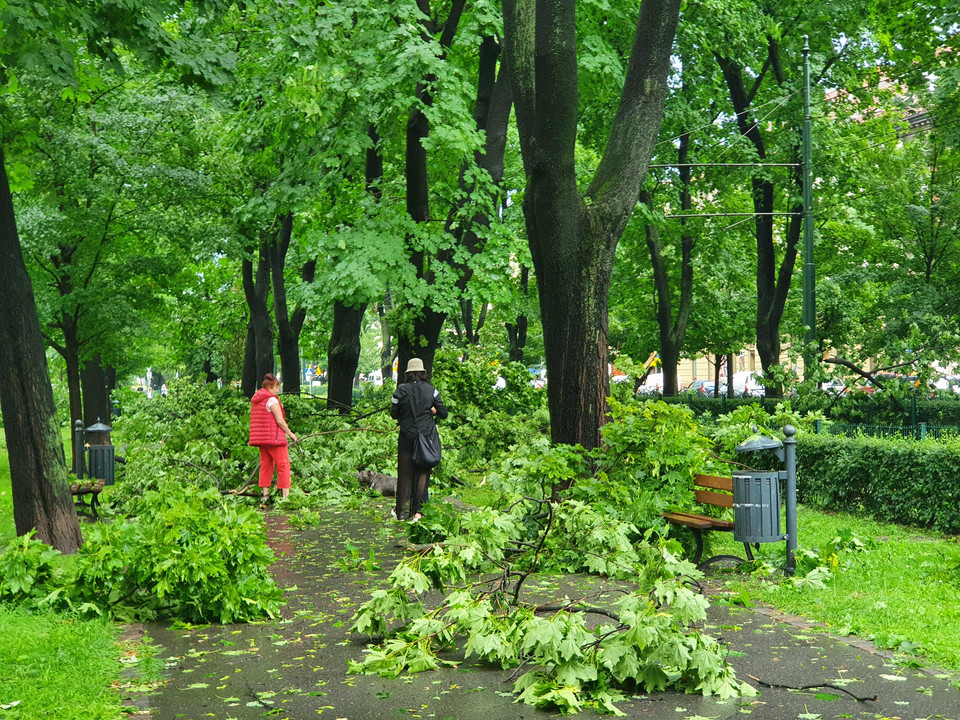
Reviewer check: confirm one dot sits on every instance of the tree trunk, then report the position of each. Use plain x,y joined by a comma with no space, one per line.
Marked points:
386,346
261,330
249,382
573,243
772,284
71,358
96,397
38,470
517,331
287,338
343,355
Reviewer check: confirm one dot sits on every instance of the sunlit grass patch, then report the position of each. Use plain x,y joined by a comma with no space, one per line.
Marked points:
901,592
55,667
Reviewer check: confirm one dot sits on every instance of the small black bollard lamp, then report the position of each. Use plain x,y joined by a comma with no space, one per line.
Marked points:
756,495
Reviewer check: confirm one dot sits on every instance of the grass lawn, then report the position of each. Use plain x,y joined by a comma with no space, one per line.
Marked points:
7,530
54,666
902,592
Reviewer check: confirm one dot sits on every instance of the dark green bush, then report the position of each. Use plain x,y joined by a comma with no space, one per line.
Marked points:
893,479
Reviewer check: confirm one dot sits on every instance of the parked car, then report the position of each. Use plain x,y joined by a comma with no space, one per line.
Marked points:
834,387
746,383
703,388
653,385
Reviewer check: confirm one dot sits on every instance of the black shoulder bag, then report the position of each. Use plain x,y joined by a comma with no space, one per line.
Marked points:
426,448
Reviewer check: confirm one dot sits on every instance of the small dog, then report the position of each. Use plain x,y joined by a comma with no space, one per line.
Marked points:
383,484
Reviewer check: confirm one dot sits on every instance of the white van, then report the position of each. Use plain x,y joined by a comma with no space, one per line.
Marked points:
747,384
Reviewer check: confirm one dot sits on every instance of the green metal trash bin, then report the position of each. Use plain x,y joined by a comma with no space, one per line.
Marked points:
756,507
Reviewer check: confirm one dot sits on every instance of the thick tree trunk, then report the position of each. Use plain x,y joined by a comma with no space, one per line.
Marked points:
343,355
38,470
96,396
287,338
573,244
261,329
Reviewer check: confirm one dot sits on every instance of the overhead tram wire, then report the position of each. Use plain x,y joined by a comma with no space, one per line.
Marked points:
822,100
779,103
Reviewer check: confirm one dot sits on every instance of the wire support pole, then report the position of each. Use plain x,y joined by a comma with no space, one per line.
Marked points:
809,267
743,214
752,165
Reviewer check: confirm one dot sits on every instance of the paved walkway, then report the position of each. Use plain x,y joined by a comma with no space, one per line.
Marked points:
296,668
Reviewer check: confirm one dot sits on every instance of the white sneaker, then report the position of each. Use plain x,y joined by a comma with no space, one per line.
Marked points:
393,513
414,519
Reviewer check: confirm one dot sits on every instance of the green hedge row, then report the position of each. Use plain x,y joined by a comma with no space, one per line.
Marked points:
891,479
879,408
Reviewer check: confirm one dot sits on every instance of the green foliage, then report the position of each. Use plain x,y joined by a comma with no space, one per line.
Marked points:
651,644
893,479
56,667
26,566
198,436
190,555
467,385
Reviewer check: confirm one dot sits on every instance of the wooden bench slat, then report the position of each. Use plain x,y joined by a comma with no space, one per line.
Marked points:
689,520
713,498
701,522
714,481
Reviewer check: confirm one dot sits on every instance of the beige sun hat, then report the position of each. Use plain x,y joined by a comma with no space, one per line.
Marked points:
415,365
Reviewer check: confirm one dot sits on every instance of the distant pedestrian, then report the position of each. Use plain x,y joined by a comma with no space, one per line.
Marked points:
269,431
415,404
163,390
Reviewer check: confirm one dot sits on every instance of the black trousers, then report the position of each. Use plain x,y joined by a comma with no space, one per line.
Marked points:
412,482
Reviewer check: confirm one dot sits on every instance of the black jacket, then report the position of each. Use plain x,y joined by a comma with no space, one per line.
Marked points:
411,407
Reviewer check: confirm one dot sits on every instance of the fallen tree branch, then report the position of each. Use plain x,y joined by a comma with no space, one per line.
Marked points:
811,686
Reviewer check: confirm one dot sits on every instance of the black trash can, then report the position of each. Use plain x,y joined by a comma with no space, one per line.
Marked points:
756,507
101,463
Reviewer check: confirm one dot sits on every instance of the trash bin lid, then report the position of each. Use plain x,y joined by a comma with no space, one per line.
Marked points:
757,442
99,427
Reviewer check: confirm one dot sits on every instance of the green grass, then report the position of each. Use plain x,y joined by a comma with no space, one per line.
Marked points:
55,667
7,529
901,592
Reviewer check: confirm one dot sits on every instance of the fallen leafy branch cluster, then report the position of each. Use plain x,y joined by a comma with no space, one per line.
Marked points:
562,661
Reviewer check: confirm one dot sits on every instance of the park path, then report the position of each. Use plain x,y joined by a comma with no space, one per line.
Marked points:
296,667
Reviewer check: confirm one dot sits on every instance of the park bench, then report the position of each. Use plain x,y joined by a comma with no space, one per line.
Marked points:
718,492
86,497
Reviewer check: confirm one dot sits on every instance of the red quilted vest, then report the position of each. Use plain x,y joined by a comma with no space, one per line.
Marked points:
264,431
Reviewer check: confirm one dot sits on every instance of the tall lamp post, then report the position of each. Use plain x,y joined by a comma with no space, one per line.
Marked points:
809,268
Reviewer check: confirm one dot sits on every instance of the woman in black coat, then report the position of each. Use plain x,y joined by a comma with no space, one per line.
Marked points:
415,405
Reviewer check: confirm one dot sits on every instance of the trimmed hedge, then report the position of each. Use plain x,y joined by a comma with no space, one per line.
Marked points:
879,408
892,479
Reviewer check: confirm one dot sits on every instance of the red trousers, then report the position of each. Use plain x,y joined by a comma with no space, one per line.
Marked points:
274,457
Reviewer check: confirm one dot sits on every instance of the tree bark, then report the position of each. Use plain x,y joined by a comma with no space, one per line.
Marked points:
96,396
517,331
38,470
259,359
386,346
343,355
287,338
427,322
772,284
573,242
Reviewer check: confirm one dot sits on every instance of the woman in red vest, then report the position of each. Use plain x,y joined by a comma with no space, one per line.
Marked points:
268,431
